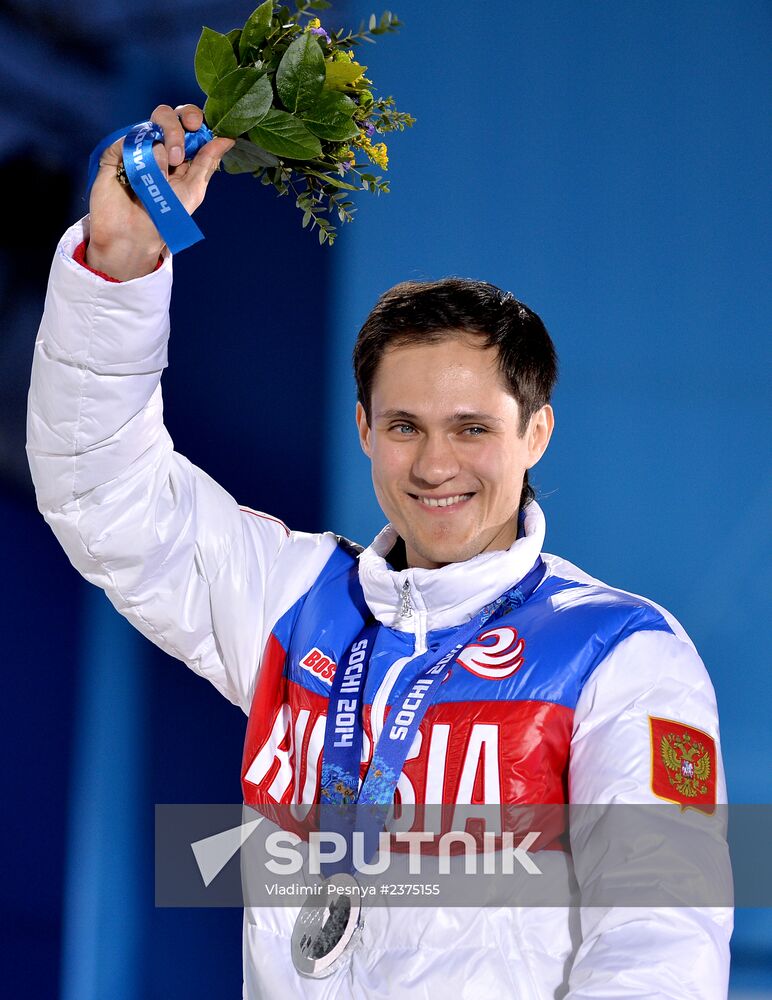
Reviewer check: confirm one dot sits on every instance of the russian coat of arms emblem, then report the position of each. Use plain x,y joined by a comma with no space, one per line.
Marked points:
688,762
683,766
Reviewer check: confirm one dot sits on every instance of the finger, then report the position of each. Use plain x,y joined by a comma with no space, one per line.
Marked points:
218,147
174,135
207,160
204,164
161,157
113,155
191,116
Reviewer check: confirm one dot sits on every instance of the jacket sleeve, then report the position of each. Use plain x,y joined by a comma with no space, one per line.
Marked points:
630,846
198,575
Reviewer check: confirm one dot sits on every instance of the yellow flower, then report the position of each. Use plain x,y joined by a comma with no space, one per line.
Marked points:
379,155
314,23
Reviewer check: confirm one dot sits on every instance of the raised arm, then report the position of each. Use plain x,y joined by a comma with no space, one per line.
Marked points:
197,574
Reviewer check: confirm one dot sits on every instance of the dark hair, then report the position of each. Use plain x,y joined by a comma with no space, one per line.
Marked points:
428,311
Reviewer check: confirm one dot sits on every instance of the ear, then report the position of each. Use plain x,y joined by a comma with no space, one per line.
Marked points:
364,430
539,433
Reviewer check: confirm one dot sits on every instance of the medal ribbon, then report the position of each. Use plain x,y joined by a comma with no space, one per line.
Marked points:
343,733
146,178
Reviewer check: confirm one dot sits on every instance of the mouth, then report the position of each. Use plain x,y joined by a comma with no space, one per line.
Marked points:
444,502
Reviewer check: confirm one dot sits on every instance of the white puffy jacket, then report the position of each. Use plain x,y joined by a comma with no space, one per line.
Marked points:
221,587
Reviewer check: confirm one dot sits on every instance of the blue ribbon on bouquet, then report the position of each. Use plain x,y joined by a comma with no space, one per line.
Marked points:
146,178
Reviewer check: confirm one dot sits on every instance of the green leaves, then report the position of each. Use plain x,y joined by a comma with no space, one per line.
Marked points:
237,102
300,109
234,37
247,158
286,136
331,117
388,22
332,181
255,30
340,75
300,76
214,58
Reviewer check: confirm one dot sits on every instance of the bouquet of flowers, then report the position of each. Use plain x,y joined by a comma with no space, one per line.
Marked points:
300,108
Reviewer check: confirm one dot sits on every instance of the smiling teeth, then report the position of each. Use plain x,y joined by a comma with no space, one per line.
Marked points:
446,501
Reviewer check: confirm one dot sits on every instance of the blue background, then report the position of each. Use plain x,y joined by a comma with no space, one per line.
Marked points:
604,162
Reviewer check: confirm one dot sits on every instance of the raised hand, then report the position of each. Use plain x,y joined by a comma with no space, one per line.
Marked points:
123,241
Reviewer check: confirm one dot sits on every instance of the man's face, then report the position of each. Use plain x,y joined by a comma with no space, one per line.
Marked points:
447,456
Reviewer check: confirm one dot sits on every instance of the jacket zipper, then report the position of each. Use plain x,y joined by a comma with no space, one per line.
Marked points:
406,605
381,698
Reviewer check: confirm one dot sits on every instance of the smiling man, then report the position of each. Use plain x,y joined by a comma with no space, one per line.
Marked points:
454,381
477,669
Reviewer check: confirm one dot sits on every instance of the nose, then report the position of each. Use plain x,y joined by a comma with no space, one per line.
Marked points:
435,461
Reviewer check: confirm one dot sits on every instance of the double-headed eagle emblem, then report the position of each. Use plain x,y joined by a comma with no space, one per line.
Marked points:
687,762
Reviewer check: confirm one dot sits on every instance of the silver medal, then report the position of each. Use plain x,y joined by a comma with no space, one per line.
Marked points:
327,927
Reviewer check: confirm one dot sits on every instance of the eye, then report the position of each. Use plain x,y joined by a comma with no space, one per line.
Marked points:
475,431
402,429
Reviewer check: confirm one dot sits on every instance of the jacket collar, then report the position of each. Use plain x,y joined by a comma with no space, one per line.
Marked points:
451,595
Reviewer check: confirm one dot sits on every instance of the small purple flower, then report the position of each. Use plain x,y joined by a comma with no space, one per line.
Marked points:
320,32
369,128
344,167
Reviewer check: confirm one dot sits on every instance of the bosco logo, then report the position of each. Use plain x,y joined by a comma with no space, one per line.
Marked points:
319,665
494,660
